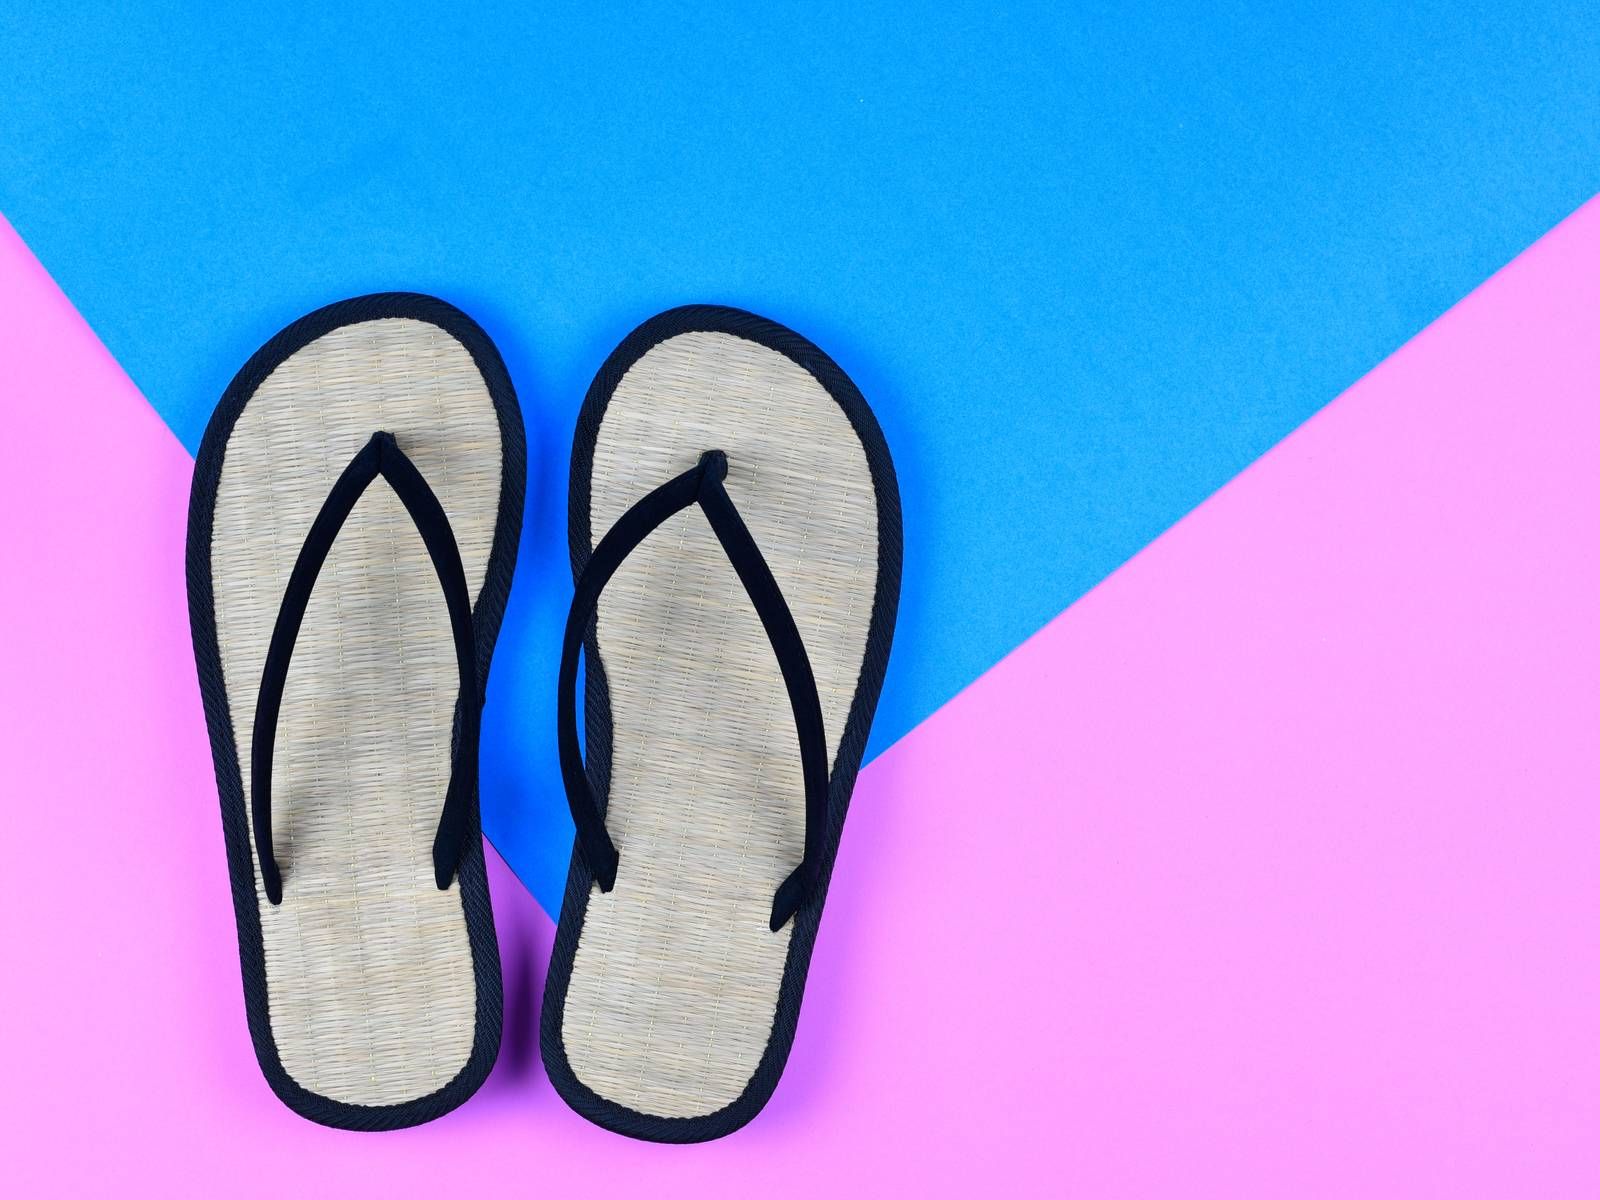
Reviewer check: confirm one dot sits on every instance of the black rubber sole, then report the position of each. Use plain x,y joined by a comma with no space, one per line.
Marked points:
597,722
487,614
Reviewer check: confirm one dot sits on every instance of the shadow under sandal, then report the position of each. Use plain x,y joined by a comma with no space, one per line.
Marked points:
360,483
735,620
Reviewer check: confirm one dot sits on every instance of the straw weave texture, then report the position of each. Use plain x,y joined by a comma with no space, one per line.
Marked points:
369,967
676,977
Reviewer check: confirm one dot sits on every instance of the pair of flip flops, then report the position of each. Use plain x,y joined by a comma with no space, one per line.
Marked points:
735,539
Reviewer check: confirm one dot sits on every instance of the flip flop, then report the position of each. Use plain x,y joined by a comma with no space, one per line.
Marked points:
741,599
342,694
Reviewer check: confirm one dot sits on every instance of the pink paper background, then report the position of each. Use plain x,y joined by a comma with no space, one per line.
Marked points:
1268,869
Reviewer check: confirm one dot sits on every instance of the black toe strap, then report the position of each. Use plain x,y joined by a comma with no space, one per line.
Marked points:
701,484
380,456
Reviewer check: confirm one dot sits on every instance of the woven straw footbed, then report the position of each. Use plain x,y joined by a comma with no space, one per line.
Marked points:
675,980
369,967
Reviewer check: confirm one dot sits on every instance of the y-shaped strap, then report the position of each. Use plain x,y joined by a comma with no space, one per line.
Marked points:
380,456
701,484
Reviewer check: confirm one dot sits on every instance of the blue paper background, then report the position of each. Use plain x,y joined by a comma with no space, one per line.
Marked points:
1086,261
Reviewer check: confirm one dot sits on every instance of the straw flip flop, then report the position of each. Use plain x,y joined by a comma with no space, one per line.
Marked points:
735,619
343,628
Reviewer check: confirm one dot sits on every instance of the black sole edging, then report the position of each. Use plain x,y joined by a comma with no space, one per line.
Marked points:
597,721
487,615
